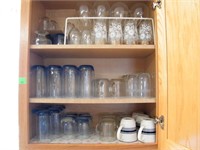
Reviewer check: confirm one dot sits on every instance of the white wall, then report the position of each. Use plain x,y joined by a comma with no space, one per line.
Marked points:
9,60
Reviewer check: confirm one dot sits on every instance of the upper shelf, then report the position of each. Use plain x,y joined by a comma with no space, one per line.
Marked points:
94,51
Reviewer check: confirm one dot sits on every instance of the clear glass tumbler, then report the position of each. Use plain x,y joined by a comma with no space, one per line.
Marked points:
117,88
54,122
131,85
84,128
54,80
144,84
70,81
86,78
43,126
38,81
101,88
69,127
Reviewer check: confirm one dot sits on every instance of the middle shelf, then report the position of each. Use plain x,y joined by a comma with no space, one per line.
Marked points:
93,51
92,100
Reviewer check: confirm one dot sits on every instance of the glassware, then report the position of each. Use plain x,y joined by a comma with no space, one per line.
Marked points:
74,36
115,33
54,121
117,88
69,127
86,37
84,12
41,38
107,130
131,85
46,24
101,8
144,84
43,24
57,38
70,26
52,25
54,80
119,9
145,32
139,10
38,80
70,81
100,31
86,77
43,126
130,32
100,25
83,126
101,88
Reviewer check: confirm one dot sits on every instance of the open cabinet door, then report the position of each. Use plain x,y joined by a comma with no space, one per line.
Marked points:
182,117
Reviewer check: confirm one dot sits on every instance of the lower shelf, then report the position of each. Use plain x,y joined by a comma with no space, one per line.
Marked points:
93,139
90,144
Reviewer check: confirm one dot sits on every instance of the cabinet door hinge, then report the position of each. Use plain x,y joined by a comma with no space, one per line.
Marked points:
160,121
156,4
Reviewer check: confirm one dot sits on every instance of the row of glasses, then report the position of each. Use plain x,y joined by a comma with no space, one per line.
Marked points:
135,85
72,81
47,121
117,31
62,81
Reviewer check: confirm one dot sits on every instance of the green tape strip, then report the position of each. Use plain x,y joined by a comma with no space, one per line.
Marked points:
22,80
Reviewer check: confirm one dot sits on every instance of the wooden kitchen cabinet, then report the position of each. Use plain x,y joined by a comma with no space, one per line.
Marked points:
174,60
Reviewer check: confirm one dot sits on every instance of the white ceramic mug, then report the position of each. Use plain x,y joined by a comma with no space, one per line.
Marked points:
139,117
147,131
127,130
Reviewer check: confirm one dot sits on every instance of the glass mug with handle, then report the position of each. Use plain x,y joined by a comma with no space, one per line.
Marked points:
106,129
101,88
117,88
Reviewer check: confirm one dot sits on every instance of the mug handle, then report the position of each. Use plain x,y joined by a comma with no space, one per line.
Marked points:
118,132
140,133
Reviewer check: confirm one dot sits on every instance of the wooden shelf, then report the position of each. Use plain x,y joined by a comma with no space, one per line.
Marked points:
124,146
94,51
92,100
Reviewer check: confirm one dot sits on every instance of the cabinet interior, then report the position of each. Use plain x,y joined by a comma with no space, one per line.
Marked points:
61,9
109,67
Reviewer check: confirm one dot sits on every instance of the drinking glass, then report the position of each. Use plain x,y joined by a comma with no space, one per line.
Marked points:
144,84
43,126
101,88
86,37
131,85
69,127
38,80
107,130
41,38
145,32
100,31
117,88
74,36
130,32
54,122
70,81
83,127
86,77
54,80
